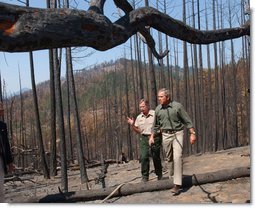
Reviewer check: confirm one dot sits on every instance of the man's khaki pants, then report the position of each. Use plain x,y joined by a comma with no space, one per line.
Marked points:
173,145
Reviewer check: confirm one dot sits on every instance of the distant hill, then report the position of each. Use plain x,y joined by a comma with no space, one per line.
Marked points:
23,90
106,94
101,96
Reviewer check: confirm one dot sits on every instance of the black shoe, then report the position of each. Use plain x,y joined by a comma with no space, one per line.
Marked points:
145,180
176,190
159,177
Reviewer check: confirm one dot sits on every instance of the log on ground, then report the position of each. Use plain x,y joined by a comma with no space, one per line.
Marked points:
128,189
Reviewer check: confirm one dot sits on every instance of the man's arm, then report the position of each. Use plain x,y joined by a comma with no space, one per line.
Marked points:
155,128
131,122
185,118
187,121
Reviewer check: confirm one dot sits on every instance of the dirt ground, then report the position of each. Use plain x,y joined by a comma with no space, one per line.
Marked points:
233,191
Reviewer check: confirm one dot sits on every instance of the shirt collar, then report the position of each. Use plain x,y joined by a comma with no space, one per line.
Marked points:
169,104
149,114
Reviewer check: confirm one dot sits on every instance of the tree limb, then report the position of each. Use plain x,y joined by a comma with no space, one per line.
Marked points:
144,32
26,29
97,6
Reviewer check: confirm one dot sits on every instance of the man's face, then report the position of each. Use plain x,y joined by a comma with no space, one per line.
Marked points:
144,108
162,98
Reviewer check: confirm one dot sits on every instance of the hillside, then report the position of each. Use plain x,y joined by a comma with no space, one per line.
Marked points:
109,92
96,89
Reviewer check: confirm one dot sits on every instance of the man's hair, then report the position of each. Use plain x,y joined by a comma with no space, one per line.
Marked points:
165,91
145,101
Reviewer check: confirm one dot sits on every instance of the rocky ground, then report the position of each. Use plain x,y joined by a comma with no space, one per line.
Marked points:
233,191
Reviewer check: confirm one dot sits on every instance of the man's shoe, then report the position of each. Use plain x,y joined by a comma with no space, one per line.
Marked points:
176,190
159,177
145,180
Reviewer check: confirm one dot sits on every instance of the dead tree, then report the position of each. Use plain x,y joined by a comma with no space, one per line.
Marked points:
37,120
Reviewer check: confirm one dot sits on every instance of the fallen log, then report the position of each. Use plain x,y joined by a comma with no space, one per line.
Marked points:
128,189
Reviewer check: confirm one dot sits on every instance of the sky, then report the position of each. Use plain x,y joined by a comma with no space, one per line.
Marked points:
11,64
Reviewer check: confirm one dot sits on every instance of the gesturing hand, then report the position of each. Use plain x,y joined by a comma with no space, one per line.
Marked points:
130,121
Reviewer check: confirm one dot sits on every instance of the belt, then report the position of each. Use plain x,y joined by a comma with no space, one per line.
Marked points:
168,131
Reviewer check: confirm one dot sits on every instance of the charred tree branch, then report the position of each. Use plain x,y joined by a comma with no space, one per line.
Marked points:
146,36
97,6
26,29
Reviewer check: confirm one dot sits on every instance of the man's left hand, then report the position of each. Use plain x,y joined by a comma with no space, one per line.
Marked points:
192,138
151,140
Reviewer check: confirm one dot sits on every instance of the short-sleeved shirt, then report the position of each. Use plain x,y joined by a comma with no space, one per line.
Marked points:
145,123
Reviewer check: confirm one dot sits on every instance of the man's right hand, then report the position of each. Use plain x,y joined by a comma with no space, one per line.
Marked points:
130,121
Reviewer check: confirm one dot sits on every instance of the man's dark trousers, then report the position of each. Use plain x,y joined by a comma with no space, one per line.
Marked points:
145,156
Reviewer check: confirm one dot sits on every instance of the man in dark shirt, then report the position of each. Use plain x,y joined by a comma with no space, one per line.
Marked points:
6,160
170,119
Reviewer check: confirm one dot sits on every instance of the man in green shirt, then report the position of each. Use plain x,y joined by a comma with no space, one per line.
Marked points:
170,119
143,126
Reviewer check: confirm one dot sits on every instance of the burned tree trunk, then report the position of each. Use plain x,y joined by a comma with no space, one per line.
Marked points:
37,120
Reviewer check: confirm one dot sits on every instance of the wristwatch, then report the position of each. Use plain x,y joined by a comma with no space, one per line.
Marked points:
193,133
